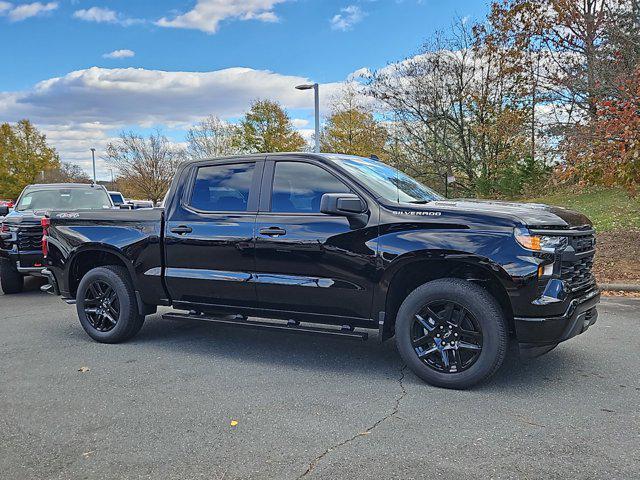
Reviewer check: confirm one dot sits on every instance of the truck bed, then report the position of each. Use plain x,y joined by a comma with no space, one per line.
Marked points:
135,236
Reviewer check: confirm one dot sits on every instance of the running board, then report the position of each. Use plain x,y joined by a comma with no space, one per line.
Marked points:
290,327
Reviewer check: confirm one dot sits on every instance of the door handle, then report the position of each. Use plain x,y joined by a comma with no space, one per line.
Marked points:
181,229
273,231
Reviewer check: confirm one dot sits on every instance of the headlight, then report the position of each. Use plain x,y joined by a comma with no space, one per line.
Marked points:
539,243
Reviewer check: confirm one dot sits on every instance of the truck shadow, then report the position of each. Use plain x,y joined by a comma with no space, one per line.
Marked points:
343,356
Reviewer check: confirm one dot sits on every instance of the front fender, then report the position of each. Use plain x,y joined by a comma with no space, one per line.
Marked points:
493,251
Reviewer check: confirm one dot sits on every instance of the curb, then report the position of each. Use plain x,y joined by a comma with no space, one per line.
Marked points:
620,287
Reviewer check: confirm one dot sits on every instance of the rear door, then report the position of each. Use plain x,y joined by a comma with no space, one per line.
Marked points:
307,261
209,247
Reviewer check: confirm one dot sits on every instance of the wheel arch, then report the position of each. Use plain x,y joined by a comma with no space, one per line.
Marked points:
418,269
91,256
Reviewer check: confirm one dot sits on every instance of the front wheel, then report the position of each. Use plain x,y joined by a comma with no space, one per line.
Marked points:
451,333
107,306
11,280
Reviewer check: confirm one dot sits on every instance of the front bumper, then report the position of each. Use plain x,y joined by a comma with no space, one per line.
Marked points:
27,263
537,336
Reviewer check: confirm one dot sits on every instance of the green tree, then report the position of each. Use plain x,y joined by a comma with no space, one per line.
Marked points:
24,157
354,132
266,127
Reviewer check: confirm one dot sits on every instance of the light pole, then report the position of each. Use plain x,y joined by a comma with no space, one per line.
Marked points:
316,90
93,157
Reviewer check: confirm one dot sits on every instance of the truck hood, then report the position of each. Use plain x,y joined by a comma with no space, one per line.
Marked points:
531,214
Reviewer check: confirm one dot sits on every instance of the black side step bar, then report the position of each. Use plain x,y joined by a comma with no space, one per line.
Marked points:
293,327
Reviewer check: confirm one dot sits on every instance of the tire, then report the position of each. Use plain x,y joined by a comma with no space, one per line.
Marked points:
477,313
116,281
11,280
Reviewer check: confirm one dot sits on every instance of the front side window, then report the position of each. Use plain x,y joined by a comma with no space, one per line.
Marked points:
298,187
65,199
223,188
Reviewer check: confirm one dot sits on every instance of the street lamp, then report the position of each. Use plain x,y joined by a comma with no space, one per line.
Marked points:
316,89
93,157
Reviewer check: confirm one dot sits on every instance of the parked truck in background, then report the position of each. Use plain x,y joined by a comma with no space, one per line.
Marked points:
21,230
334,244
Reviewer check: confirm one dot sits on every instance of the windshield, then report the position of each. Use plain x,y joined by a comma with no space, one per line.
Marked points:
387,182
64,199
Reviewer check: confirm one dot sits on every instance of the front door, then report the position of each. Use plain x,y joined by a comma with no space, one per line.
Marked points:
307,261
209,248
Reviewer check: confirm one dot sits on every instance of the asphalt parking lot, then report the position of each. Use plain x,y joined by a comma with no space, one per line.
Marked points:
162,405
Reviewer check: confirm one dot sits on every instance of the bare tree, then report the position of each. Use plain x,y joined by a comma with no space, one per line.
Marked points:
65,173
213,137
454,109
146,165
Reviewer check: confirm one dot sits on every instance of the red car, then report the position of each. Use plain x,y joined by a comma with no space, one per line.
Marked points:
6,203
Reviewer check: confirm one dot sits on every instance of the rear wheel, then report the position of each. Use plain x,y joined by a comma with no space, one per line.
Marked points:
451,333
11,280
107,306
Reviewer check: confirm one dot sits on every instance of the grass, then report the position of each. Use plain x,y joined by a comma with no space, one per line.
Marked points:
609,209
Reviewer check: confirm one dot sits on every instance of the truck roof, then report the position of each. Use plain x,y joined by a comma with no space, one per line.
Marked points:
62,185
261,156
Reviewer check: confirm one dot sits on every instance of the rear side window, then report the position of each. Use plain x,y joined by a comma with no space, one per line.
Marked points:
117,198
223,188
298,187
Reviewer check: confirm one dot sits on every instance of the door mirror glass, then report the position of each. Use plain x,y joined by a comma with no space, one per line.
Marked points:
344,204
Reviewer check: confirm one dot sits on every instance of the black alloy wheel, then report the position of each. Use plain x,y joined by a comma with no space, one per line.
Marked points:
451,333
107,305
101,305
446,337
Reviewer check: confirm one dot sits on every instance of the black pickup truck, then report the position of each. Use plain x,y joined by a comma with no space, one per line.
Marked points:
342,241
21,230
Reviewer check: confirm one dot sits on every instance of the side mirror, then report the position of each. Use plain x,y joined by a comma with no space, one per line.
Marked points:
4,210
345,205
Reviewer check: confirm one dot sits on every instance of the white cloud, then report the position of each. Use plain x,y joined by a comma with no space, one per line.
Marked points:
87,108
207,14
347,18
136,95
125,53
299,122
360,74
105,15
96,14
17,13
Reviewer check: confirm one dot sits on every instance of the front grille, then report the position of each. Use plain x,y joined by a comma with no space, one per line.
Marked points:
577,262
584,244
577,275
30,238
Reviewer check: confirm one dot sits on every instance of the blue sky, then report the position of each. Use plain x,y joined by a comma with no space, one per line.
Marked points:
176,61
